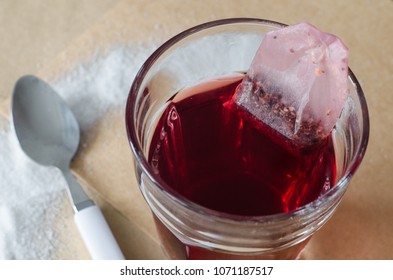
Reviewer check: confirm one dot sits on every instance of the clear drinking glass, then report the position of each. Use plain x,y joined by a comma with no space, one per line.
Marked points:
210,50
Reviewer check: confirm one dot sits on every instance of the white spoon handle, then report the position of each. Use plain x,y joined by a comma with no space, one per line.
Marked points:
97,235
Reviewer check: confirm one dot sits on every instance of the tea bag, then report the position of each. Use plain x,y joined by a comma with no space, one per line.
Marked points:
297,83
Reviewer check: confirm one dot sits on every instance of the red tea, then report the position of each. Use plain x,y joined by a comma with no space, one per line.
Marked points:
214,153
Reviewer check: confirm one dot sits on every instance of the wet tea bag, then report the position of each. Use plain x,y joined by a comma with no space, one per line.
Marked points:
297,83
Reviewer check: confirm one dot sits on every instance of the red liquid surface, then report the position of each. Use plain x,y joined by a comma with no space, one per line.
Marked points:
214,153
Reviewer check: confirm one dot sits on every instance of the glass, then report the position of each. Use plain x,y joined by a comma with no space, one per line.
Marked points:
210,50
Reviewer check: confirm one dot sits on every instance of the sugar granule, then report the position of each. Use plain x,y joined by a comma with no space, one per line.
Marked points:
32,196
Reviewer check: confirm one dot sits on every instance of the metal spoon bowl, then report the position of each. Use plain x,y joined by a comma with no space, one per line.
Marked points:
48,133
46,128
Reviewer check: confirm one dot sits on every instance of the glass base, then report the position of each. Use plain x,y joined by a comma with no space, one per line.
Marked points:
177,250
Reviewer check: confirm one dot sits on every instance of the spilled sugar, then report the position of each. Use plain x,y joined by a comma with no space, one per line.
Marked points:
102,84
31,196
28,197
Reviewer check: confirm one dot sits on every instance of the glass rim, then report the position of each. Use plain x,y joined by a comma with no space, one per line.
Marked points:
142,162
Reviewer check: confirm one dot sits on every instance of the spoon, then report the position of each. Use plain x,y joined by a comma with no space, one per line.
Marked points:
49,134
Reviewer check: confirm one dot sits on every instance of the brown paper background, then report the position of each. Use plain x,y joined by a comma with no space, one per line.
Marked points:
362,227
